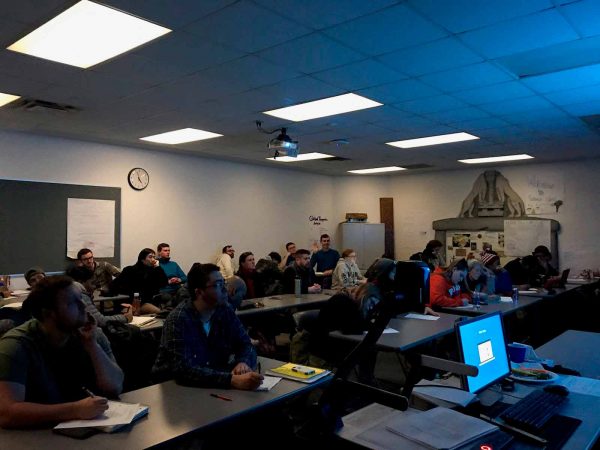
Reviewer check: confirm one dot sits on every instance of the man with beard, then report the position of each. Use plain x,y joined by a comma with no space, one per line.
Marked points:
303,270
46,363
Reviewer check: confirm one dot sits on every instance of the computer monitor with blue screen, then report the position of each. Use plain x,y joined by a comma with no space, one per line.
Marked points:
481,344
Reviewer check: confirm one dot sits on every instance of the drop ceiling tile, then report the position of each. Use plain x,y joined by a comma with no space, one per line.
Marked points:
456,115
476,125
579,95
386,31
462,15
495,93
311,53
321,14
187,53
298,90
22,86
148,73
32,12
360,75
516,105
36,69
521,34
584,16
172,14
399,91
432,57
231,27
565,79
583,109
431,104
468,77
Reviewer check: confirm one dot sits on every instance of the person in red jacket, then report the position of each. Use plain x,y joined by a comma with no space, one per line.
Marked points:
446,285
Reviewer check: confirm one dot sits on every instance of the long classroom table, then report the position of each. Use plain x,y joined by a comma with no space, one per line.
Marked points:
175,412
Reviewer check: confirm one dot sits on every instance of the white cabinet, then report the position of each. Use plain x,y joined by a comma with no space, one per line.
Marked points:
366,239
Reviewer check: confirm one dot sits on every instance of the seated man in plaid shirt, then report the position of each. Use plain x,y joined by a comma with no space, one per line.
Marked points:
203,342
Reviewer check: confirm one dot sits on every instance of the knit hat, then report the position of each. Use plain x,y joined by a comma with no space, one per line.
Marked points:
487,259
33,271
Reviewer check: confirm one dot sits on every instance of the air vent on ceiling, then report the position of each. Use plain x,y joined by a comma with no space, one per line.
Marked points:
30,104
416,166
336,158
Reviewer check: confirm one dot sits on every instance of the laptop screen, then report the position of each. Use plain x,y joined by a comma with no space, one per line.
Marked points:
481,344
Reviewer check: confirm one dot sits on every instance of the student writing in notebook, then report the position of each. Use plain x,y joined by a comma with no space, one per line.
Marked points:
446,286
46,362
202,335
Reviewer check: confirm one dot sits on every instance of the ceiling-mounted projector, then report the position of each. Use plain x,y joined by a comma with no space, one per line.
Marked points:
283,145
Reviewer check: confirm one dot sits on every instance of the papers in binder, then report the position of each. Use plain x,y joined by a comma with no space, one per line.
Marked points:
117,415
297,372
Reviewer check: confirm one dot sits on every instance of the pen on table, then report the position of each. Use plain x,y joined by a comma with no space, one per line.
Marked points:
222,397
87,391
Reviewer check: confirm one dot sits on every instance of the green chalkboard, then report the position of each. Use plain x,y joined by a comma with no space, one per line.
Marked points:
33,223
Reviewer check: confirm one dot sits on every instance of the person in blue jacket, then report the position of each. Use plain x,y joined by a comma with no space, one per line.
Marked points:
175,275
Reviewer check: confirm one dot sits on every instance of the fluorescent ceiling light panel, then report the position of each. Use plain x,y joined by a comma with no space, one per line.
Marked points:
87,34
5,99
377,170
433,140
325,107
494,159
181,136
302,157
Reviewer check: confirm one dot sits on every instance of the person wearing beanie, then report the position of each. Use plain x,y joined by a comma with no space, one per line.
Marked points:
502,281
34,276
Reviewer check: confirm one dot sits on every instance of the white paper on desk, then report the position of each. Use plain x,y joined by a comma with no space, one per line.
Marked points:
421,316
441,428
446,393
19,292
386,331
506,299
17,305
140,321
268,383
464,307
117,414
581,385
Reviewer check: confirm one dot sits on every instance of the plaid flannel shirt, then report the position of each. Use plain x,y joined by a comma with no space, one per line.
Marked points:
187,354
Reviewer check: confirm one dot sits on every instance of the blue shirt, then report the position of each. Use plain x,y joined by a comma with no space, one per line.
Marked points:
172,269
191,356
325,260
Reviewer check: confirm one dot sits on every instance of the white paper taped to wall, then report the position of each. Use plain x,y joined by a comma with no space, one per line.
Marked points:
91,224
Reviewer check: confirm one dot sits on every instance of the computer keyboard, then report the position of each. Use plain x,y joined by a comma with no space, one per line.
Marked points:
533,411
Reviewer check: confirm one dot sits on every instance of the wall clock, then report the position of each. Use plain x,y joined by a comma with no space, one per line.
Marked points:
138,178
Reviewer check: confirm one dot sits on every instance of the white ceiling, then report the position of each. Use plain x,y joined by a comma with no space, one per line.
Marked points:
519,74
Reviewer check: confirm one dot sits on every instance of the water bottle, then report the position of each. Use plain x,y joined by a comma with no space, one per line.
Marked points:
515,295
136,304
297,286
476,299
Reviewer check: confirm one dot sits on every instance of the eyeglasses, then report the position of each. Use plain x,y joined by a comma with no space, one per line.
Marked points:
222,284
88,258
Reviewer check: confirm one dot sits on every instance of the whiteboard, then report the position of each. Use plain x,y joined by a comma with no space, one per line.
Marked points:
522,236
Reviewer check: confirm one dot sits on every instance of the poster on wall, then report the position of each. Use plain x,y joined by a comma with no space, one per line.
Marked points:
543,192
91,224
318,225
522,236
465,244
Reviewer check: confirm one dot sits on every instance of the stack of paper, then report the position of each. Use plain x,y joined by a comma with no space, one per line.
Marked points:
440,428
140,321
268,383
297,372
115,417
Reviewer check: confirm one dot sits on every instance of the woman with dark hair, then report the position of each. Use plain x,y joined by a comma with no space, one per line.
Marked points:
247,272
446,286
431,255
146,278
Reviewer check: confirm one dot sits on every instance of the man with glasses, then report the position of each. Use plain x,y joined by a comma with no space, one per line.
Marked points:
103,272
225,261
203,342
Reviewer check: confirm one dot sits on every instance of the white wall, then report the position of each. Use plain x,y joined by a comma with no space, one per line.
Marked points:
198,204
195,204
439,195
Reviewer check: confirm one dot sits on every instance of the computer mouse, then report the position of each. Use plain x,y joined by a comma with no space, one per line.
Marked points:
557,389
